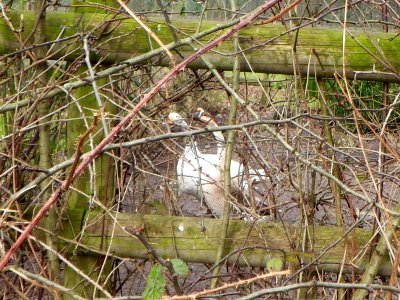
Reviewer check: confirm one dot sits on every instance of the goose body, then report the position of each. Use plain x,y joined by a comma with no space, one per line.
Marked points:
200,173
194,164
194,167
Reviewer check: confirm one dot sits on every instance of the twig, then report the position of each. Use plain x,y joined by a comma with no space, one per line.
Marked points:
316,284
53,198
203,10
14,288
147,29
79,147
37,278
66,262
138,233
226,158
280,14
229,285
168,20
93,83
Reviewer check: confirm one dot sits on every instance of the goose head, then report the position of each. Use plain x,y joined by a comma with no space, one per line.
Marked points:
204,117
175,119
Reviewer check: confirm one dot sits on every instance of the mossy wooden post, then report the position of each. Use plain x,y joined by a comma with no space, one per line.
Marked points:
43,109
103,181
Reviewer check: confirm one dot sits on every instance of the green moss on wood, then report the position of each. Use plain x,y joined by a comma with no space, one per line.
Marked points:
259,242
266,47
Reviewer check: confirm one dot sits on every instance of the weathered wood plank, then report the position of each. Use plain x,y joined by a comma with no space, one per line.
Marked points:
372,56
183,237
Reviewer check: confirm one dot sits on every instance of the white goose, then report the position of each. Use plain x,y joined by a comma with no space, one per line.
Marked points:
194,167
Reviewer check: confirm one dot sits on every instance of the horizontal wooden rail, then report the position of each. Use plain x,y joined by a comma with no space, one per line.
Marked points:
267,48
184,237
